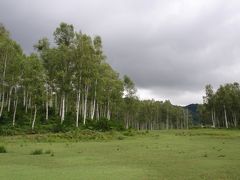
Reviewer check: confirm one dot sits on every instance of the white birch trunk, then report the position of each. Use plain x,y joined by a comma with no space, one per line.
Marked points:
2,104
225,116
66,104
108,110
47,106
235,119
34,117
63,108
213,120
214,117
78,107
167,122
3,96
26,108
24,97
97,113
15,110
94,101
30,102
60,107
56,103
85,105
82,106
46,110
51,98
9,99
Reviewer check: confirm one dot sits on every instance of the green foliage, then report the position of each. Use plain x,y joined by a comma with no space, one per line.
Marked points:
64,34
129,133
49,152
69,84
120,137
221,108
3,149
104,125
37,152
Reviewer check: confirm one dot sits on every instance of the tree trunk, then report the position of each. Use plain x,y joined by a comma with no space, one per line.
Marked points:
24,97
51,98
85,105
56,103
66,104
9,99
97,113
94,101
46,106
108,110
213,120
3,79
2,104
34,117
15,110
60,107
63,108
26,100
30,102
235,119
78,107
167,121
225,116
214,117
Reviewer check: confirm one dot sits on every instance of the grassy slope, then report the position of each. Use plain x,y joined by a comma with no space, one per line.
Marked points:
194,154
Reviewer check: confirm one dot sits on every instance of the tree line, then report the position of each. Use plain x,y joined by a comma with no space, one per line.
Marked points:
70,82
221,108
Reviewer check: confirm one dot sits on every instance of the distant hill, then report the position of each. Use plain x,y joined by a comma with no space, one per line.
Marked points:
193,109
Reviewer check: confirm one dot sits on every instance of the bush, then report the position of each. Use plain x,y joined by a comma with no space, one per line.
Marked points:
48,151
104,125
60,128
3,149
120,138
128,133
37,152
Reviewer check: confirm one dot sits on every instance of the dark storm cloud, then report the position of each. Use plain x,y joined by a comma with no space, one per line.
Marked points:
171,49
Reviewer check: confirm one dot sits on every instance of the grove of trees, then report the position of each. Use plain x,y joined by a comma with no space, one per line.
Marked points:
221,108
70,83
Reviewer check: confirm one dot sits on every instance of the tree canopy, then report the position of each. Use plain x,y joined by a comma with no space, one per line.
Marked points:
71,83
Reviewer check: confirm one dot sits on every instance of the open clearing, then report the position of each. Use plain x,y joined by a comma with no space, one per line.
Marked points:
175,154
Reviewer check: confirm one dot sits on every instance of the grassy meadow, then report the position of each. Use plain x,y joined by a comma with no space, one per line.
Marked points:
175,154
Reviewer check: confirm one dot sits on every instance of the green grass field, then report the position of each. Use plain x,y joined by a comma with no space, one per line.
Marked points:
176,154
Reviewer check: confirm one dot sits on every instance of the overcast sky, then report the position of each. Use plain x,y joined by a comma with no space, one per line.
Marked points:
170,48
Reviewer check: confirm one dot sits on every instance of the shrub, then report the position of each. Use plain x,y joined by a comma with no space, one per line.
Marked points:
48,151
104,125
3,149
120,138
37,152
128,133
